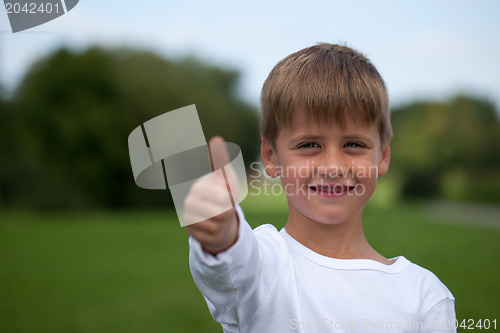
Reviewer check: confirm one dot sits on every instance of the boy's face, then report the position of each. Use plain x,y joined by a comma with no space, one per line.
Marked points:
328,173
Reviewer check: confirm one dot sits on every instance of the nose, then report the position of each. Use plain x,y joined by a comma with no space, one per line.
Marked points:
331,163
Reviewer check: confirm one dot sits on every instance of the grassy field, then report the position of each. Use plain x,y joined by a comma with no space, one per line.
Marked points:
127,271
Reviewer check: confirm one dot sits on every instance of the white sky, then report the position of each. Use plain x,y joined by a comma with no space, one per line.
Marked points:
422,48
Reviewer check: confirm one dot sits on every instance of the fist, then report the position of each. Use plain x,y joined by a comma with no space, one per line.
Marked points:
210,200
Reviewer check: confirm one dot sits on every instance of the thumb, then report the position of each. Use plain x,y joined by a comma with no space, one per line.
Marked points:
219,156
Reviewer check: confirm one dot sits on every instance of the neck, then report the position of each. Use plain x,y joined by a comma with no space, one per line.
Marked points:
344,240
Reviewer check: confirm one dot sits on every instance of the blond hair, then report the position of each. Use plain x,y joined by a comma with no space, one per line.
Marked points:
332,84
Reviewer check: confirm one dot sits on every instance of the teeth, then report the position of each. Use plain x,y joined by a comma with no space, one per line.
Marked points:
332,188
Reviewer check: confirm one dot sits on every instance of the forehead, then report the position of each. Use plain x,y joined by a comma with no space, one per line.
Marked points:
300,123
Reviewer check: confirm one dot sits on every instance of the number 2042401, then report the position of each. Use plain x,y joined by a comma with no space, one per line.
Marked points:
31,8
473,324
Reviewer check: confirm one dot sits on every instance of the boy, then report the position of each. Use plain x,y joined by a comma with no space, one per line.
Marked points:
325,132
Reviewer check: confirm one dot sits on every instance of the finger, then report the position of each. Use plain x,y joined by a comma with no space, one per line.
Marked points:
233,183
218,152
195,207
220,160
211,187
214,225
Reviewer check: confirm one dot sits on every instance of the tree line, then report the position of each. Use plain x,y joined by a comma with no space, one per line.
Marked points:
447,150
64,132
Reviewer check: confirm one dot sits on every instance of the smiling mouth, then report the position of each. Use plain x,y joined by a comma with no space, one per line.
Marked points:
331,189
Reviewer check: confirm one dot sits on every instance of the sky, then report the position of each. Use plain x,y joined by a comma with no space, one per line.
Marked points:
423,49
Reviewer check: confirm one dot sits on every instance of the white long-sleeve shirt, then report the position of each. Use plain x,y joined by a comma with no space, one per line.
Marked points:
269,282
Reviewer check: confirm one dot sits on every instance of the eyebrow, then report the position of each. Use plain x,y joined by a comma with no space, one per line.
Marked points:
318,137
306,137
359,137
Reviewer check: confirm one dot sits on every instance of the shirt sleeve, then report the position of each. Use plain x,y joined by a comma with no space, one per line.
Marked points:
233,282
441,318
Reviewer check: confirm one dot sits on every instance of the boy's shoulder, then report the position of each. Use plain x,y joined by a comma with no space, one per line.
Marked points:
427,287
428,281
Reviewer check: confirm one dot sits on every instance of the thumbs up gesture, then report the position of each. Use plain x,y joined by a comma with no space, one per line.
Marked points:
212,196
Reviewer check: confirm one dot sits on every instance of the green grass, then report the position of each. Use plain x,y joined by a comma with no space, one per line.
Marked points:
128,271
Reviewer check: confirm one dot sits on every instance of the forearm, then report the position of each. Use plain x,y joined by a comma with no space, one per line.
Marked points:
229,277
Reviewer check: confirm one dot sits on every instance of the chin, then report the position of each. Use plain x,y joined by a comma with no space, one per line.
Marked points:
326,216
331,219
334,215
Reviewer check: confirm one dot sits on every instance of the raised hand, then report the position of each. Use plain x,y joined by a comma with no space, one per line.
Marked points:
210,200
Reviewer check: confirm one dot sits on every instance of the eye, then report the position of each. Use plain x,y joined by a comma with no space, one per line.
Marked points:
308,145
354,144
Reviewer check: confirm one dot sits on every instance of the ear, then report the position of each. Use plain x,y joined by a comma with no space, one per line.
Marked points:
268,158
383,163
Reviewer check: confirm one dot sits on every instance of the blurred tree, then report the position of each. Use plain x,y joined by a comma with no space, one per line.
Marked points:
5,149
66,145
447,150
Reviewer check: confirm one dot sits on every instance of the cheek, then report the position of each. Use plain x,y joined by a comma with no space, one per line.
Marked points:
293,170
294,176
365,170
